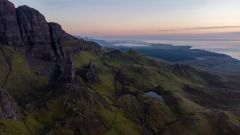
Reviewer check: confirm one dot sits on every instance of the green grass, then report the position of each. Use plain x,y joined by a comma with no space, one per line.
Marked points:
106,84
118,123
62,131
11,127
40,120
82,59
22,78
120,112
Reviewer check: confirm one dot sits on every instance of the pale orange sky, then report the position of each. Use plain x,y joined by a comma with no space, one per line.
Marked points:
140,17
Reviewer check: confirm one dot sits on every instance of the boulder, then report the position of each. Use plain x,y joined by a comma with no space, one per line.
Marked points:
8,107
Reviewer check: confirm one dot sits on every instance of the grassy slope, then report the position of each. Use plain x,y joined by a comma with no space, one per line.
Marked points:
22,78
124,78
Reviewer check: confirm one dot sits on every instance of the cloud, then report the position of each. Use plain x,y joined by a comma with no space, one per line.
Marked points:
203,28
62,3
168,30
214,27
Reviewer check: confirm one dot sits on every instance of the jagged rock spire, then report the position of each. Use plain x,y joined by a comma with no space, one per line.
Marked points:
64,70
92,73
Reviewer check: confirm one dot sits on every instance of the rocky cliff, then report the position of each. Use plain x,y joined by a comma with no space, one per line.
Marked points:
9,29
27,28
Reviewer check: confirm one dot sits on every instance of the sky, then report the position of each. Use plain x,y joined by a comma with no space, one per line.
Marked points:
141,17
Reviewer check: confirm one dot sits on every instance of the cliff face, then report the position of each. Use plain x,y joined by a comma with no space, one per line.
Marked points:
35,32
27,28
9,29
33,26
57,37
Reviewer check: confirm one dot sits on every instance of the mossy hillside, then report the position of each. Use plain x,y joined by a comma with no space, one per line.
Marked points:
11,127
106,85
118,100
138,69
41,119
118,122
150,112
88,103
106,75
44,119
134,76
138,72
37,122
82,58
22,78
147,78
61,131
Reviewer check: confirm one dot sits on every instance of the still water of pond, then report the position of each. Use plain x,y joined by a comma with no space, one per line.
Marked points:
154,95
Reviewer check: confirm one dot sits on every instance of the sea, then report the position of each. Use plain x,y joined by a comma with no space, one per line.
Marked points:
229,46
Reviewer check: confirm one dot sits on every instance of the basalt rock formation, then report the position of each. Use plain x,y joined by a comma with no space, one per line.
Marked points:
64,70
9,29
92,73
35,33
27,28
69,70
57,38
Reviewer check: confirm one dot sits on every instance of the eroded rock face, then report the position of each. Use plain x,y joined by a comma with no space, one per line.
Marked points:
28,29
92,125
8,107
64,71
33,25
35,33
9,29
92,73
57,37
69,70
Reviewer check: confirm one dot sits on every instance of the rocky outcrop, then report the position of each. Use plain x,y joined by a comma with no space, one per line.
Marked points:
9,29
27,28
92,73
64,71
90,125
8,107
69,70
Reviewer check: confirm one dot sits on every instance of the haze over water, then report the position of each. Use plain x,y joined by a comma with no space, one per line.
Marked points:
225,46
229,46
